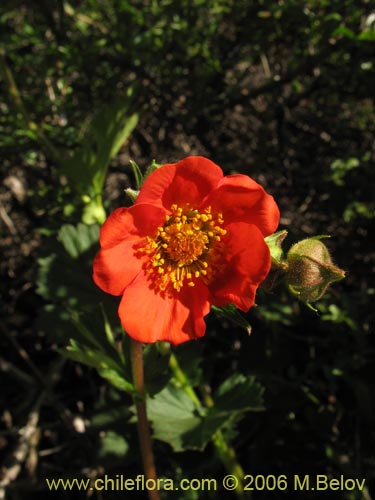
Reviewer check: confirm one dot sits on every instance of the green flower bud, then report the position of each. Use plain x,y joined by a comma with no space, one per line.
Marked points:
311,270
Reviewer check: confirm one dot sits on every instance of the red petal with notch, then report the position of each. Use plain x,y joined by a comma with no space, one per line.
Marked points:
116,267
185,182
130,223
118,263
149,315
240,198
248,263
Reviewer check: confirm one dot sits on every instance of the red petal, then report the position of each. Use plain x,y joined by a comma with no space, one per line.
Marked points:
130,223
240,198
185,182
149,315
248,263
116,267
118,263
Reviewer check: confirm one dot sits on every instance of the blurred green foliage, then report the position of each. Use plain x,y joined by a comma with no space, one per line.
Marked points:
280,90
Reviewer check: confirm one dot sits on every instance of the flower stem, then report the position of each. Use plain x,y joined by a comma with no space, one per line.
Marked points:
142,422
224,451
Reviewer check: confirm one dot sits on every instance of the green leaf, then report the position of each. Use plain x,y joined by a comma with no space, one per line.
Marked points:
107,328
113,415
341,167
65,280
173,415
78,239
86,169
156,366
230,312
116,379
65,274
61,278
94,210
75,352
344,31
190,359
92,356
112,444
239,393
358,209
177,420
137,174
336,315
367,36
107,366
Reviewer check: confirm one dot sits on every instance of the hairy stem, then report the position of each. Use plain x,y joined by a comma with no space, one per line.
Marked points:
142,422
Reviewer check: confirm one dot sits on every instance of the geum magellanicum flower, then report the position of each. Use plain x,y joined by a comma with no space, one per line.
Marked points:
193,239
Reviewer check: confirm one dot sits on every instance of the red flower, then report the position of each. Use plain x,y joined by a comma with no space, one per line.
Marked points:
193,238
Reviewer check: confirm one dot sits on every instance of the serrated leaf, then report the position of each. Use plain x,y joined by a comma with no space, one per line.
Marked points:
239,393
92,356
236,396
106,366
73,351
177,420
173,415
78,239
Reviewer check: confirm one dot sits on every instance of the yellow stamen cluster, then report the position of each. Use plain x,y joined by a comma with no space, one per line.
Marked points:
184,248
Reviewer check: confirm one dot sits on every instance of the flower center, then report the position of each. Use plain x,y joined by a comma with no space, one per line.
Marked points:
184,248
184,243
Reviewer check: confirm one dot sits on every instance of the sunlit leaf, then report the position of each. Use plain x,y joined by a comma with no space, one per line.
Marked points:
178,421
78,239
173,415
86,169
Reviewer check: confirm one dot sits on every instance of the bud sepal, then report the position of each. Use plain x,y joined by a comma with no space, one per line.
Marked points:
311,270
